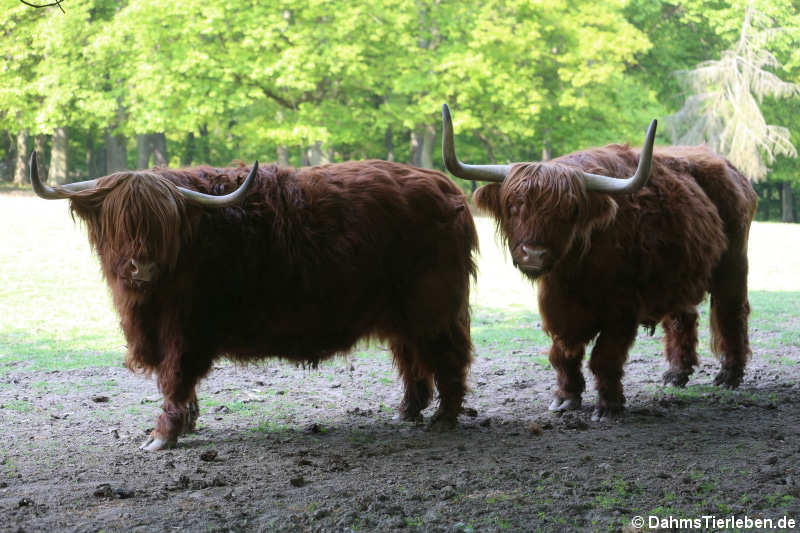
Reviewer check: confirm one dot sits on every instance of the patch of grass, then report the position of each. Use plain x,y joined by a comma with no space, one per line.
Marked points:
20,406
45,352
495,331
9,467
707,487
56,310
541,360
502,524
496,498
779,499
269,426
414,522
616,492
697,391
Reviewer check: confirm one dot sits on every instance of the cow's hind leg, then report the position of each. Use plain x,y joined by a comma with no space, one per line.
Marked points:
448,355
566,359
417,381
606,362
729,312
176,380
680,346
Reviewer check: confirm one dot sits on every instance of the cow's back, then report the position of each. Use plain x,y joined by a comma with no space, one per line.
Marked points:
316,258
729,190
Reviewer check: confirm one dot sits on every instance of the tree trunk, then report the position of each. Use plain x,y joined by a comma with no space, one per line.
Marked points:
21,165
116,153
58,157
158,144
283,156
428,142
143,149
90,155
318,156
787,202
8,161
389,142
96,155
204,147
188,154
40,145
488,145
416,148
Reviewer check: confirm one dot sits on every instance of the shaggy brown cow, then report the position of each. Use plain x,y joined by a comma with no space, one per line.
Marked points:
609,254
298,264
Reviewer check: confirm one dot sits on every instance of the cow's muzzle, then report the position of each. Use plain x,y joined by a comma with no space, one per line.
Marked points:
142,272
533,260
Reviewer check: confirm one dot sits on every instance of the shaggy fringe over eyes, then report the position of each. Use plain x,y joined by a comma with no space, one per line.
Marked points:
556,192
554,189
136,214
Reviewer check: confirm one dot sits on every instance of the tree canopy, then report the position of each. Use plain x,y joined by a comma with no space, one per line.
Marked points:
242,79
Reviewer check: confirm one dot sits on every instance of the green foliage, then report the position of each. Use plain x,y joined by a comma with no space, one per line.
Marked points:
238,79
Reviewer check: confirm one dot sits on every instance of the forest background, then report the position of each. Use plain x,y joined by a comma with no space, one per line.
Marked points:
101,85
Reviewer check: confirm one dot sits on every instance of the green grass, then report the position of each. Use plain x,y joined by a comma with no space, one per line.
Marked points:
56,312
20,406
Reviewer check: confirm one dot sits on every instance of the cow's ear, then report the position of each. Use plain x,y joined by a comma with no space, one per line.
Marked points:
600,212
487,198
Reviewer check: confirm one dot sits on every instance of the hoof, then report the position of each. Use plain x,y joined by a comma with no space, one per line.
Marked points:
570,403
441,422
730,378
676,378
156,442
403,416
607,414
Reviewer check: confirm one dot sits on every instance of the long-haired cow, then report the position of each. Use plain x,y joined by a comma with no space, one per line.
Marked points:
248,263
609,254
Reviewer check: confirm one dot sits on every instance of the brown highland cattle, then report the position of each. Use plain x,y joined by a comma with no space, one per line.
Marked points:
299,264
609,254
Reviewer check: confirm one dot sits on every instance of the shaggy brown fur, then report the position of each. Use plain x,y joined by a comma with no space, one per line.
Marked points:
643,258
309,263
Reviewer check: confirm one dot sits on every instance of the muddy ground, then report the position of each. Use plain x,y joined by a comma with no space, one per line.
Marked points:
280,448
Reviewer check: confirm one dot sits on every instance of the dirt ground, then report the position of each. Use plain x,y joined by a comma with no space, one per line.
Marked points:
280,448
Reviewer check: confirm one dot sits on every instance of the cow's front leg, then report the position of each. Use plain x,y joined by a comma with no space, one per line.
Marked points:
608,356
180,409
566,359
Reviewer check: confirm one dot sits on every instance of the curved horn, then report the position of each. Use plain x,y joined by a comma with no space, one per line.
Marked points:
209,200
43,190
495,173
598,183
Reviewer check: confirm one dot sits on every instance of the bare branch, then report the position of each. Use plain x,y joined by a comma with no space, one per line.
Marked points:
37,6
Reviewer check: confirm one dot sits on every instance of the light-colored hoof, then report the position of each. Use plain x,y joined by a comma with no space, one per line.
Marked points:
154,443
570,403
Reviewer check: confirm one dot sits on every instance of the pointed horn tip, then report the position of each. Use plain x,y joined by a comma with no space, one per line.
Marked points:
446,117
651,130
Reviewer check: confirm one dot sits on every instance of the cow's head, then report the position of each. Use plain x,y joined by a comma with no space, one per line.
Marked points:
137,221
544,209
